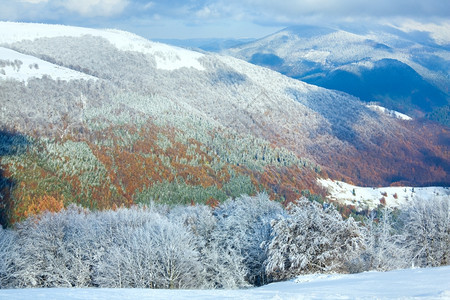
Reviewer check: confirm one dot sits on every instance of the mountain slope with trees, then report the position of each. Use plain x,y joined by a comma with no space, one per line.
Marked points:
161,123
399,70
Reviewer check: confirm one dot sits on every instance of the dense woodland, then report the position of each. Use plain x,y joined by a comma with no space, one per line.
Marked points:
242,242
112,149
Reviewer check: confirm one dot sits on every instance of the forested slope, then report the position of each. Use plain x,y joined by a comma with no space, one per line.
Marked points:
149,121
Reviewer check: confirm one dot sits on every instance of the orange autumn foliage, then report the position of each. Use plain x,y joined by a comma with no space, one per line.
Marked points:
44,203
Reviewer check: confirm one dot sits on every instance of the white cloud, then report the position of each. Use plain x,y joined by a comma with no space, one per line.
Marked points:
34,1
44,10
224,14
353,8
439,32
285,12
149,5
209,12
93,8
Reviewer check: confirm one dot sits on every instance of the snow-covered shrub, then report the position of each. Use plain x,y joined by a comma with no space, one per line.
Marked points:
223,262
243,225
7,240
312,238
53,250
426,226
384,245
156,254
246,241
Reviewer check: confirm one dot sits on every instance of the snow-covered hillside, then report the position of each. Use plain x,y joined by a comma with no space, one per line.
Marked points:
429,283
15,65
167,57
368,197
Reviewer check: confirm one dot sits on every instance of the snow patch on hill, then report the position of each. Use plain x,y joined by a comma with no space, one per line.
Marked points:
317,56
368,197
392,113
167,57
21,67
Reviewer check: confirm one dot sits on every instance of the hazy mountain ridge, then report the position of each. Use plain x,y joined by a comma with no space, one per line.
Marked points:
206,44
163,122
358,60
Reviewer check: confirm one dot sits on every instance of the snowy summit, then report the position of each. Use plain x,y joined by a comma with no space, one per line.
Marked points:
167,57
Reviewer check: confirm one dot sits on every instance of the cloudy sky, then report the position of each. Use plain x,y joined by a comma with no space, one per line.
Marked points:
220,18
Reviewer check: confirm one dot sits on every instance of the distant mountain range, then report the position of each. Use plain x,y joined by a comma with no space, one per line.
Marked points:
206,44
105,118
404,71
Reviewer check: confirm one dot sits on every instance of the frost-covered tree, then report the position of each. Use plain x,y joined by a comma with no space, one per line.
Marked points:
7,240
426,226
223,266
312,238
144,249
243,226
127,260
158,254
53,250
384,245
178,264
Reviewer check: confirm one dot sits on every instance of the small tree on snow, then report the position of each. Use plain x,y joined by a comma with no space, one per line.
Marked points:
384,244
243,226
52,250
426,228
312,239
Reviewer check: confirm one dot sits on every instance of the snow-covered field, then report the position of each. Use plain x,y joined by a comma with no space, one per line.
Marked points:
34,67
368,197
432,283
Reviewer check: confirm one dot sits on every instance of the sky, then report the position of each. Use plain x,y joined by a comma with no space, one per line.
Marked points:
185,19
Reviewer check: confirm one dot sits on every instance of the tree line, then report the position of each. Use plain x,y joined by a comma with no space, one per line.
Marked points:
242,242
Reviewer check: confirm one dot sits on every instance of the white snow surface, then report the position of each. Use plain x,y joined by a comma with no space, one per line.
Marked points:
166,57
34,67
370,197
389,112
429,283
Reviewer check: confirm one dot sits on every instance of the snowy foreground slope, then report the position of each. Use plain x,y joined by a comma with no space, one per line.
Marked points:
429,283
